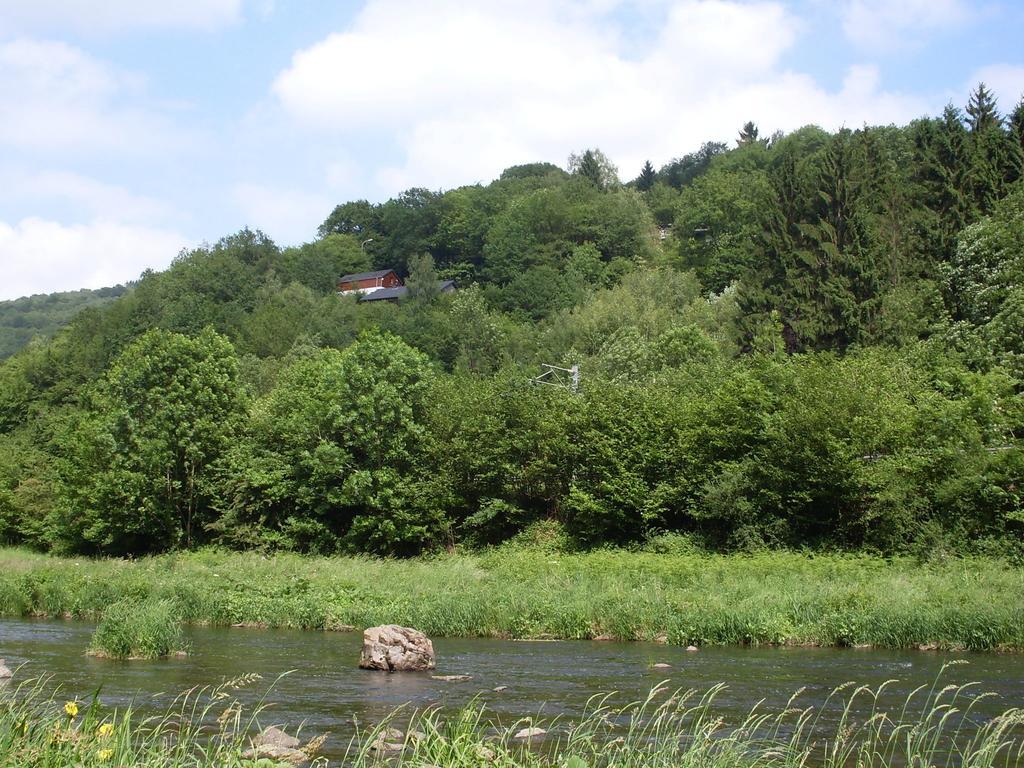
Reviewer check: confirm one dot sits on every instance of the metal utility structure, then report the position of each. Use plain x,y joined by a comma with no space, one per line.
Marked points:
563,378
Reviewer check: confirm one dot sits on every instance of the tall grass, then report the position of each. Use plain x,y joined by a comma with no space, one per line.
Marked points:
686,598
148,629
204,727
936,726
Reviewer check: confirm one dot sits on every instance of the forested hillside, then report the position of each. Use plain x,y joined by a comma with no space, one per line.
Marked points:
811,340
24,319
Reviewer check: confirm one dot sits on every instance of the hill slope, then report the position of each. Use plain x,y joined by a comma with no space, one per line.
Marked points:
824,349
23,319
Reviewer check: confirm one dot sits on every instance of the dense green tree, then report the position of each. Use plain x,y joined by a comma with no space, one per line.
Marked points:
989,262
407,223
543,228
478,331
282,315
682,171
422,281
335,456
28,490
319,264
594,166
718,222
532,170
465,215
506,450
663,202
536,293
358,218
891,210
136,463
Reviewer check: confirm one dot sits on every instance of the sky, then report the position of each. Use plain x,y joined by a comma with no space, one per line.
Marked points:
131,129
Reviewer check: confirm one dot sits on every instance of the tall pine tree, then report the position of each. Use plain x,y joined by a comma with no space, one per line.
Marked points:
647,177
1016,121
815,270
981,110
835,276
748,134
995,153
763,308
942,165
594,166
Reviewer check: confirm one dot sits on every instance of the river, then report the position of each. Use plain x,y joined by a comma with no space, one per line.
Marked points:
327,692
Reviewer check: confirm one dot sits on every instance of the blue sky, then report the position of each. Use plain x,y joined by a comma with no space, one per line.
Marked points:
131,129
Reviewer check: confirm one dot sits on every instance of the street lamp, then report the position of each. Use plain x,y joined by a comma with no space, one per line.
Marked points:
362,245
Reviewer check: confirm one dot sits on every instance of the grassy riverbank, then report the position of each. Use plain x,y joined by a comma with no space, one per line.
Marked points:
201,728
515,592
213,727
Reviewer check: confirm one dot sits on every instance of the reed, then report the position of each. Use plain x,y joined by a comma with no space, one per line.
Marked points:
679,598
673,729
936,725
147,629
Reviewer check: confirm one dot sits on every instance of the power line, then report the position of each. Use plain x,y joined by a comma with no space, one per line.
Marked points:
555,376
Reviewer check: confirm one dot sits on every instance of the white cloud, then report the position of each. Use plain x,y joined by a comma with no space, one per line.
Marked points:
881,25
40,256
55,97
466,91
87,197
342,171
289,216
108,15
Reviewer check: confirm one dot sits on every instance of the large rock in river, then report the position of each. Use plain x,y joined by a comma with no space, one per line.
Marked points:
5,671
395,649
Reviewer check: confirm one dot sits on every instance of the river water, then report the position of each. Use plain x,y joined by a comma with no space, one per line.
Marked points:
327,692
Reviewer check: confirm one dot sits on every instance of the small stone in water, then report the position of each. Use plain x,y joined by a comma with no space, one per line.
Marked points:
662,665
528,733
692,648
388,740
275,744
386,746
274,735
451,678
501,688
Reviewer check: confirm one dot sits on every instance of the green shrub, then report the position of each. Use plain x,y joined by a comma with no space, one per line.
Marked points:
543,536
670,543
133,630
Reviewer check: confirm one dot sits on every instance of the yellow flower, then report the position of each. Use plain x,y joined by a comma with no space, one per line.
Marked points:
71,708
105,754
105,730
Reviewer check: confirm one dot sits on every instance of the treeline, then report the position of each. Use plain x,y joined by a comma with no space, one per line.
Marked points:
809,340
41,316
